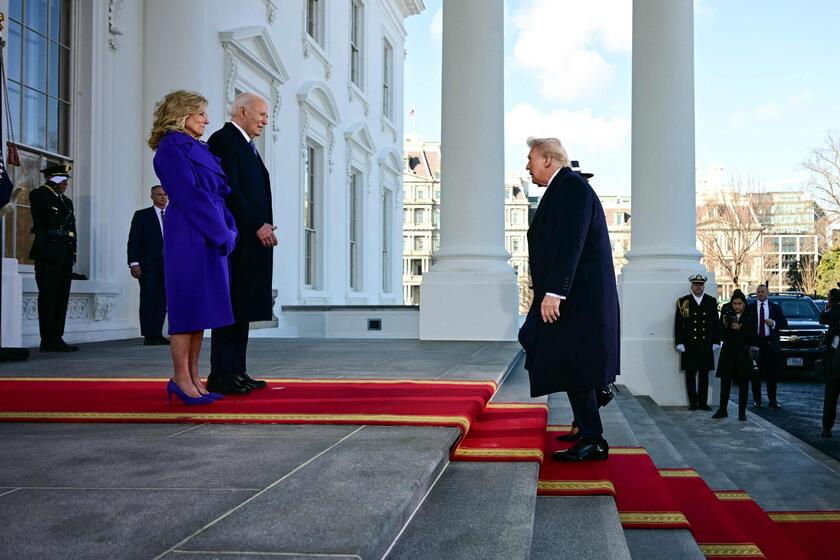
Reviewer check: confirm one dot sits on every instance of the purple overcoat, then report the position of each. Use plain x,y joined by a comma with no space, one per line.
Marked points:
198,235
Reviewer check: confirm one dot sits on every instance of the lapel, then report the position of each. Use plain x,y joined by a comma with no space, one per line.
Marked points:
239,140
154,223
550,192
198,153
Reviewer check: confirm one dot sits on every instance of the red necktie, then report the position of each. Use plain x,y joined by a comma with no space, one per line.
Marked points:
761,323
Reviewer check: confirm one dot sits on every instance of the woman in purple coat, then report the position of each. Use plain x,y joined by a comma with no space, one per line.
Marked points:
199,233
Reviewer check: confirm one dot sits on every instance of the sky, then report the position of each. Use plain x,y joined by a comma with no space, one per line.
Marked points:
767,84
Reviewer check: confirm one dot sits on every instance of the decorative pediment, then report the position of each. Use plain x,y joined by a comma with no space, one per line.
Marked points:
359,134
390,159
316,98
254,45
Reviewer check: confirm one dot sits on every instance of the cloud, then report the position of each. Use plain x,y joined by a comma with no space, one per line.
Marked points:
565,44
800,98
576,129
436,27
770,109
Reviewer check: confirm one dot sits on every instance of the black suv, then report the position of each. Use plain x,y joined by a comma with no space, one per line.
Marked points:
802,341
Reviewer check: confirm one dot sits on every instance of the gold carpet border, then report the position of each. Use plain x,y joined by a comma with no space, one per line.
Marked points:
558,428
575,485
270,380
747,550
461,421
515,406
628,451
653,517
805,516
677,473
732,496
498,453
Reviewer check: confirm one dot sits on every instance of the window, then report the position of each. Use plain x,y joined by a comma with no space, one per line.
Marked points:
310,212
435,217
515,244
419,215
422,193
416,267
38,73
619,218
356,42
407,242
387,198
315,20
435,241
355,233
388,81
788,244
419,243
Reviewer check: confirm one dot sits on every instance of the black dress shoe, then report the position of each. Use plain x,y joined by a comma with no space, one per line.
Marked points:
162,340
226,386
585,450
249,382
692,407
705,407
742,417
757,404
571,436
775,405
150,341
58,346
826,433
720,414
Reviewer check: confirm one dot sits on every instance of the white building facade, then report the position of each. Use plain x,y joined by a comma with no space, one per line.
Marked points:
84,76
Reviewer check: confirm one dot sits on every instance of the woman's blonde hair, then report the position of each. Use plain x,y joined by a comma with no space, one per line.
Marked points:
172,111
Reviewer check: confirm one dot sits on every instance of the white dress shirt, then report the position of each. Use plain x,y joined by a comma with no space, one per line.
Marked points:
240,129
762,326
698,299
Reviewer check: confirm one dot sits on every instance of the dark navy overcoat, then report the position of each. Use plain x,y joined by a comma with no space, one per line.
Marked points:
570,255
250,203
198,234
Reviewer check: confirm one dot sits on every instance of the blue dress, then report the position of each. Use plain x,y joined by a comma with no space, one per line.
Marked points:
198,235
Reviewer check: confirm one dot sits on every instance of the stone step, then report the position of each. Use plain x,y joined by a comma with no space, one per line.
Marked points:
351,500
476,510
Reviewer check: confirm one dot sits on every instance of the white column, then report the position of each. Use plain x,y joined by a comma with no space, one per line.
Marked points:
663,244
470,292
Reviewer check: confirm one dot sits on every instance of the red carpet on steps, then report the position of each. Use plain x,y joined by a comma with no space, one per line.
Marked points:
817,532
284,401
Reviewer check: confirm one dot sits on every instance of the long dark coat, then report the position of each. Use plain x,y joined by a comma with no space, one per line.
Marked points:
734,361
250,203
570,255
697,327
54,226
198,235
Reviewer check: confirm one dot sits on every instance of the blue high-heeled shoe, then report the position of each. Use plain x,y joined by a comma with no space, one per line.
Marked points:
214,396
173,389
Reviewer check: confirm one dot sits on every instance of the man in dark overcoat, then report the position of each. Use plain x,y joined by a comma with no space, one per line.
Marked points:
768,319
697,334
251,261
145,262
831,318
54,253
571,334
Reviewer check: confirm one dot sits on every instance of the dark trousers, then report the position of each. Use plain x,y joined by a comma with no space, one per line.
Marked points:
585,410
767,366
832,392
53,280
697,387
152,302
743,393
228,346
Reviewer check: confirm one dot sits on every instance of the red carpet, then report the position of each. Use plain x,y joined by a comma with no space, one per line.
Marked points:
816,532
715,530
770,538
505,432
285,401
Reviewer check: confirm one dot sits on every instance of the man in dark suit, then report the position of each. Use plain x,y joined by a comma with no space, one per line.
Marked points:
145,261
697,334
768,319
831,317
54,253
251,261
571,334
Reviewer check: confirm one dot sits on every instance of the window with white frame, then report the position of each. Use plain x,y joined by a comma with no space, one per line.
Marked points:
357,28
315,20
355,233
419,216
311,212
515,244
387,202
422,193
387,80
419,243
39,84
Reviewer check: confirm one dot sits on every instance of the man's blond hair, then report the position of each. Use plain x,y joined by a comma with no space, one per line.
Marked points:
551,148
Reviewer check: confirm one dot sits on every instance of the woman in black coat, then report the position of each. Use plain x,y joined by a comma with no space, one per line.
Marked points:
735,364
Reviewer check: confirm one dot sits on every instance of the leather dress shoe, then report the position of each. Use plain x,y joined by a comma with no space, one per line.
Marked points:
720,414
226,386
162,340
692,407
826,433
58,346
571,436
705,407
585,450
775,405
742,417
244,379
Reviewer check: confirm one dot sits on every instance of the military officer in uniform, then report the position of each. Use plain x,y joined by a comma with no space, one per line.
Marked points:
54,253
697,334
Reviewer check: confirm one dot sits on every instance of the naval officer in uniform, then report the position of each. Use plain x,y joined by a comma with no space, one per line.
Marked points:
54,253
697,333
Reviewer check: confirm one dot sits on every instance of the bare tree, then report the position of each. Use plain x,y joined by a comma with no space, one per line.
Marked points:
730,231
824,165
802,274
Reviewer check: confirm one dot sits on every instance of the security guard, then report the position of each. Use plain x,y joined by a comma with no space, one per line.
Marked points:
697,334
54,253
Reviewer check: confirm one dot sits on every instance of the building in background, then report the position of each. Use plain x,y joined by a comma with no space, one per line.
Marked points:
617,213
83,81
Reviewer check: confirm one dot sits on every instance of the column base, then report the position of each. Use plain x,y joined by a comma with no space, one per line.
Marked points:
469,305
12,305
648,289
